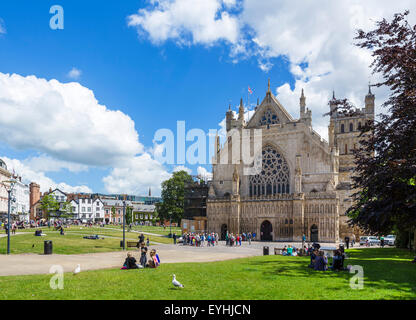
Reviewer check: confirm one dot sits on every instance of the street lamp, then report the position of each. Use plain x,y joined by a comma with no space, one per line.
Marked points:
124,223
9,189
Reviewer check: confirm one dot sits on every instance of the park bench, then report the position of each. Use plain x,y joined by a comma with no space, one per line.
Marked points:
132,244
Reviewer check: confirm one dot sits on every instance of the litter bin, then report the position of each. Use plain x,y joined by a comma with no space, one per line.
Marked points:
265,251
47,247
121,243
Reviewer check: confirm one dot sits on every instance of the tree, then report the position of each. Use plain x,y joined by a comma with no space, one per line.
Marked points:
66,210
49,205
385,171
129,215
113,212
173,191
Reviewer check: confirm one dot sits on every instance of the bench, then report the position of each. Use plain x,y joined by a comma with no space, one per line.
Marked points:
132,244
277,250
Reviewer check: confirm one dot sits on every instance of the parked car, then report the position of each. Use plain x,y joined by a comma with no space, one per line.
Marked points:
372,241
390,240
363,240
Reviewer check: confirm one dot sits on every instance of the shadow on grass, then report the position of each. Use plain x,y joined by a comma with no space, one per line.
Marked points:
386,269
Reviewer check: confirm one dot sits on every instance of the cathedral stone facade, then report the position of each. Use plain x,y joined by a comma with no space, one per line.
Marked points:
303,184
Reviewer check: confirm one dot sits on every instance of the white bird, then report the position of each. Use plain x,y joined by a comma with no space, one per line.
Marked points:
77,269
176,283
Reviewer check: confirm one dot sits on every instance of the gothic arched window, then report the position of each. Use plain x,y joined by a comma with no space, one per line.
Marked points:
274,175
269,117
342,128
351,127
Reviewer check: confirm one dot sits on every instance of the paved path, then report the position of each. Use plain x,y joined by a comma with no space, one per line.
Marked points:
24,264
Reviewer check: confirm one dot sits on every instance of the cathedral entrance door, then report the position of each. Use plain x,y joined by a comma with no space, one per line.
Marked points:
223,231
314,233
266,231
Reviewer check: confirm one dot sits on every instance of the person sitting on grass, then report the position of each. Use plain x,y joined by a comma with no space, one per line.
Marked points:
289,250
62,231
284,251
320,262
154,260
130,262
337,261
313,258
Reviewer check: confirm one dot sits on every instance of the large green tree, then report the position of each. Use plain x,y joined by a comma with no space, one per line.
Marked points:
49,205
129,215
173,191
386,161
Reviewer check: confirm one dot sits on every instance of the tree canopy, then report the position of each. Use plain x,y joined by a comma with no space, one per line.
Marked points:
173,193
385,171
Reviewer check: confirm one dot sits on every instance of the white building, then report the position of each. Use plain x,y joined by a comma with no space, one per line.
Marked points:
20,207
88,210
4,176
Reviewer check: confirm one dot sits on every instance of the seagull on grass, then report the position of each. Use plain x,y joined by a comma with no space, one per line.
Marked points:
77,269
176,283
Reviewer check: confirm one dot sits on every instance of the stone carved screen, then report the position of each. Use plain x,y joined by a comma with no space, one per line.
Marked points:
274,177
269,117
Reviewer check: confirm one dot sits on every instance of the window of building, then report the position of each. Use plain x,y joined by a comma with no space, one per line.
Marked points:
274,177
269,117
342,128
83,209
89,209
106,211
351,127
359,125
346,149
97,209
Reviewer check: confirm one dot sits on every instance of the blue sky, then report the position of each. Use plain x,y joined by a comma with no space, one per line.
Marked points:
158,80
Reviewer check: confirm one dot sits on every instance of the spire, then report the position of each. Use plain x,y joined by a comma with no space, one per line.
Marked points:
229,107
333,94
257,101
268,86
241,110
302,102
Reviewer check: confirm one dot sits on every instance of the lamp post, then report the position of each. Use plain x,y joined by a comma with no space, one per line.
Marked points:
124,223
9,189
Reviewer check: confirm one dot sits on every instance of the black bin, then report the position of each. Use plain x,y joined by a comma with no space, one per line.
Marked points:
265,251
47,247
121,244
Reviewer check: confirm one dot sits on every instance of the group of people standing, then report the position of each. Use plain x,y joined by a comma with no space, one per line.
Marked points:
236,240
199,239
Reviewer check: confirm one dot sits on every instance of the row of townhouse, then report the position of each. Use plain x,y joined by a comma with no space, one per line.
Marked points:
19,205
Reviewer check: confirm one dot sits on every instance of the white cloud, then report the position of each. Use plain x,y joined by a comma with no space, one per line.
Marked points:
187,21
182,168
74,73
204,174
316,38
45,163
135,175
30,174
64,121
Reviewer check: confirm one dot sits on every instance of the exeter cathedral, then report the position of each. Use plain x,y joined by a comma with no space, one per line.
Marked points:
304,184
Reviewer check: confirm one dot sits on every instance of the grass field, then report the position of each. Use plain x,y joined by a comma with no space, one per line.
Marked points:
73,242
388,274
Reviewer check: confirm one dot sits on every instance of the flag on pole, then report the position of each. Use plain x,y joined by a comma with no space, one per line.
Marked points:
249,90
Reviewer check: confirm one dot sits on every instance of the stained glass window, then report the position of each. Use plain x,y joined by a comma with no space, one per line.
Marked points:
269,117
274,176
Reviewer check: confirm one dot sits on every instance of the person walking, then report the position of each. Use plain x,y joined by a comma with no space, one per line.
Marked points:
382,241
249,238
174,238
347,241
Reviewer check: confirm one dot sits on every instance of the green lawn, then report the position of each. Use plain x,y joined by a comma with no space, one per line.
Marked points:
388,275
72,242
